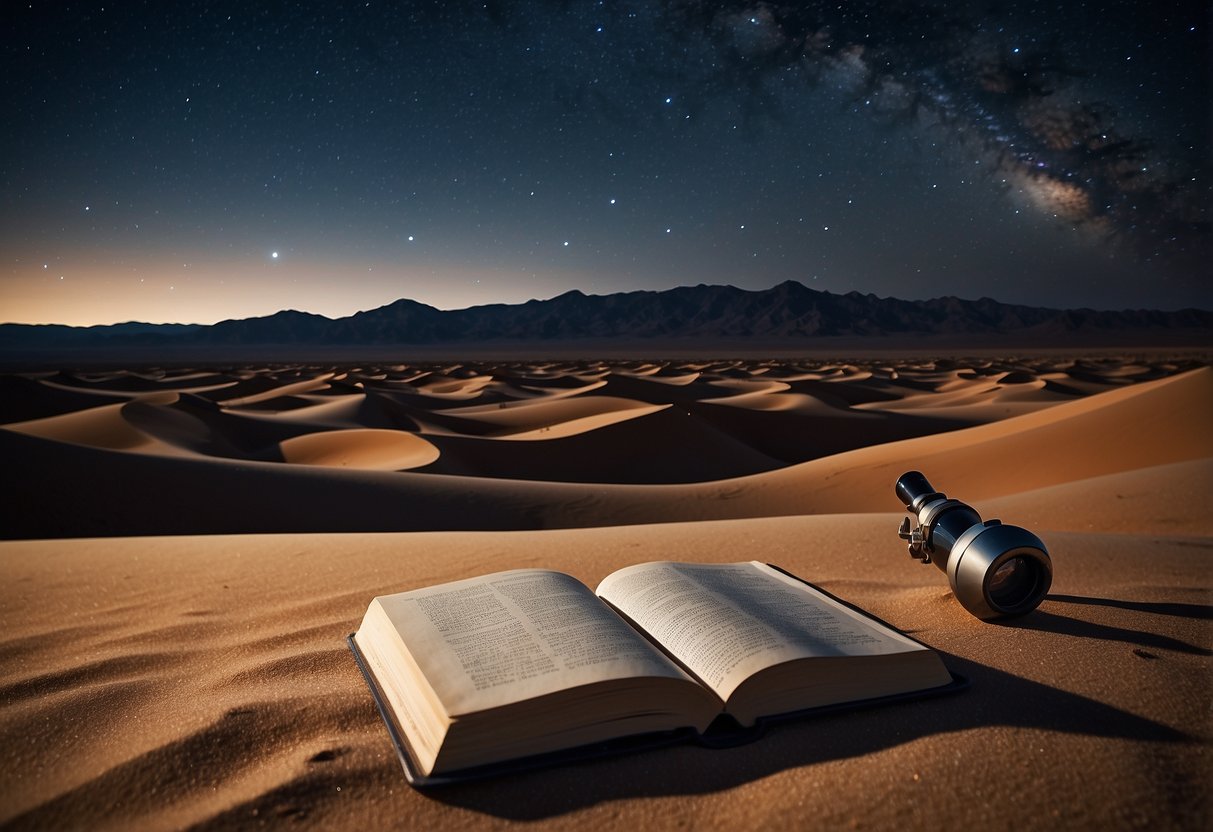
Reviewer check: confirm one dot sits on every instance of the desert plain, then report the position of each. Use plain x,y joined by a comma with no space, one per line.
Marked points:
185,550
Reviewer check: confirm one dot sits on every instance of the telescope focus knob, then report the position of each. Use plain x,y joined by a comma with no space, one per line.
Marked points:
913,536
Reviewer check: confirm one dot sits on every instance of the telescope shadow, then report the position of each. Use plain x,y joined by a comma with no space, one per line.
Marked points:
1042,620
996,698
1178,609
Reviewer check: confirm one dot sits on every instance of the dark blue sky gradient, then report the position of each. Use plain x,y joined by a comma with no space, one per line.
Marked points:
193,161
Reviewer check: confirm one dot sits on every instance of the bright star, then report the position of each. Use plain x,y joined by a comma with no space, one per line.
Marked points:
274,255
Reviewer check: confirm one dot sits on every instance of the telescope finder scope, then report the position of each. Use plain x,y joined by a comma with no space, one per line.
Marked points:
995,570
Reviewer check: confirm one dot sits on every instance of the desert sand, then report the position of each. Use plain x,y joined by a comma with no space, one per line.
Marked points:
187,550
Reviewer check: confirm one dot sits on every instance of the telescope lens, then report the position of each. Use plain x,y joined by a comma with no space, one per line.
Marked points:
1014,583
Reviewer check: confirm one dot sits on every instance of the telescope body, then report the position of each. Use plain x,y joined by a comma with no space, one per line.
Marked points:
995,570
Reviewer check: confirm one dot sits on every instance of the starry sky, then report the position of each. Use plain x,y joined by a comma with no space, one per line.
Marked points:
196,161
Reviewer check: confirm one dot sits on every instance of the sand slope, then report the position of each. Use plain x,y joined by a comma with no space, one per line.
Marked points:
186,464
182,681
200,680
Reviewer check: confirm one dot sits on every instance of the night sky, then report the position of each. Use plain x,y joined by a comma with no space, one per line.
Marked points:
194,161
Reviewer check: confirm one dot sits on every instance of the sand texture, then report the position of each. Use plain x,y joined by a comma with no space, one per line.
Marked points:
532,446
188,549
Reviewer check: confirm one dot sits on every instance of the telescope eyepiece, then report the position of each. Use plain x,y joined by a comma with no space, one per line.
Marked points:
913,490
995,570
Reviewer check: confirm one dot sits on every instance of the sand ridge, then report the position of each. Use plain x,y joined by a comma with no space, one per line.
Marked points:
582,444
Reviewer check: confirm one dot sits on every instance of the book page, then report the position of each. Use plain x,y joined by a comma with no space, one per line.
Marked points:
501,638
726,622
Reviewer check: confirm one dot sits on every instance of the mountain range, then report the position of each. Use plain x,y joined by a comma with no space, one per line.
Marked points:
789,312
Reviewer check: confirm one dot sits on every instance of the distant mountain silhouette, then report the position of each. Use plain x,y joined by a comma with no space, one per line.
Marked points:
789,312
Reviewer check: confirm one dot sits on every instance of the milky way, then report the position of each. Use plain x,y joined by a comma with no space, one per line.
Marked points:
1016,99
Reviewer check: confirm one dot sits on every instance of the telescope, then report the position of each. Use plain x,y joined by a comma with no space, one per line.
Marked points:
996,570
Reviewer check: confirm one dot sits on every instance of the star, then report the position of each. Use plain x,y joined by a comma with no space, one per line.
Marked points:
274,255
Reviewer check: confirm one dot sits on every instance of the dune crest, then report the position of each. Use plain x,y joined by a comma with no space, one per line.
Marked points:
557,444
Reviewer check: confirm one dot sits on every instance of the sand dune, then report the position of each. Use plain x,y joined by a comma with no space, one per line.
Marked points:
553,413
112,426
775,443
169,668
378,450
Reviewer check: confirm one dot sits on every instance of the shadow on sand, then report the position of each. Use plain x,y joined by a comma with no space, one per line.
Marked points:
1051,622
996,698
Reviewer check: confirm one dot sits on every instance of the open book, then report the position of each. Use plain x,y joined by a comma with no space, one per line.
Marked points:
471,674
